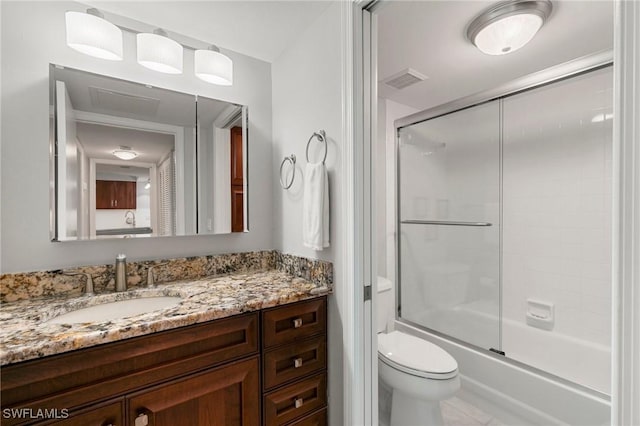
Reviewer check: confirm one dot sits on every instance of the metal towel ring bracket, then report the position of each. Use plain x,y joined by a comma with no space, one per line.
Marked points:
322,137
291,159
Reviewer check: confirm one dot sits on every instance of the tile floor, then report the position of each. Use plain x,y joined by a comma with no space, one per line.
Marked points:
455,411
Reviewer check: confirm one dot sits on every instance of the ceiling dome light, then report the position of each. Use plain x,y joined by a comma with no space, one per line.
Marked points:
158,52
507,26
125,153
213,67
93,35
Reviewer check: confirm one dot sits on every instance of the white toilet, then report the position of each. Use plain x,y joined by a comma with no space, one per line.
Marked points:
419,373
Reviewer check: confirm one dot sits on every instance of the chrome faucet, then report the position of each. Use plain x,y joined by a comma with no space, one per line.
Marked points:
88,289
150,281
130,220
121,272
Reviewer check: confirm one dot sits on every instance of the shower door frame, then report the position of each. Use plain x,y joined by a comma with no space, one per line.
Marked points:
542,78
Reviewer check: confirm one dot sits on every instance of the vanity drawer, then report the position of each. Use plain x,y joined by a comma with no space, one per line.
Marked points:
295,400
291,322
319,418
293,361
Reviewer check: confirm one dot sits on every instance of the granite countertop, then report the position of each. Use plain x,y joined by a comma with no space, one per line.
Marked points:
25,335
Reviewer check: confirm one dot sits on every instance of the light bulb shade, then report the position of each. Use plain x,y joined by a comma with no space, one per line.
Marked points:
159,53
213,67
93,36
125,154
507,27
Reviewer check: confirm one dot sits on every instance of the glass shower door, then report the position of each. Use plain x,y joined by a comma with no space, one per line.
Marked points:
449,224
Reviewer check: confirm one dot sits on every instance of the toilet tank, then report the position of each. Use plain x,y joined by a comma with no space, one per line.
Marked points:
385,303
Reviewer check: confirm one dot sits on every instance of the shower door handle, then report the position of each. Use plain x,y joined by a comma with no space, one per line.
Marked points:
444,222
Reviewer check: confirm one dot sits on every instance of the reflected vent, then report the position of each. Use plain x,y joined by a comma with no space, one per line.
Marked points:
111,100
404,78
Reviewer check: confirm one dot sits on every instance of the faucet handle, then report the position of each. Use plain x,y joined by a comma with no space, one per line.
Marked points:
88,290
150,280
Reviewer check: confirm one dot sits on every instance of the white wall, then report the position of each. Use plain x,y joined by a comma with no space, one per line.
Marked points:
307,97
33,35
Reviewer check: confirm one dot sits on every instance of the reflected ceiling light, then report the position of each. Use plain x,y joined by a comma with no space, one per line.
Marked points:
147,185
158,52
213,67
507,26
91,34
125,153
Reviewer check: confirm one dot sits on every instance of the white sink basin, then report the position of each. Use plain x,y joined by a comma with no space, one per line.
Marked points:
116,310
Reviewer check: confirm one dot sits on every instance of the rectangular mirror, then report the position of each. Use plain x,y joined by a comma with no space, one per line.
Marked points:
133,161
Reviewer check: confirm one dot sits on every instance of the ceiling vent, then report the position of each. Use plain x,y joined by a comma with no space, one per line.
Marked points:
110,100
404,78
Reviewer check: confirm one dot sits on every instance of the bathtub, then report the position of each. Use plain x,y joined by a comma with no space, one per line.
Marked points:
519,394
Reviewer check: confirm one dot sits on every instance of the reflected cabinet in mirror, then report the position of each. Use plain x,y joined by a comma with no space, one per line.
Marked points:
132,161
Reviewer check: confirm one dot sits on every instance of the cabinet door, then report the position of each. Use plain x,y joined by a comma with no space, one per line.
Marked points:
103,194
237,209
237,177
125,195
225,396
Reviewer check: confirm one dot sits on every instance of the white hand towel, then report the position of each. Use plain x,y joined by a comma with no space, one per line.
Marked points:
315,207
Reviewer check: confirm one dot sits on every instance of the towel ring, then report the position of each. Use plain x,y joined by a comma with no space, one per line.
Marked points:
322,137
291,159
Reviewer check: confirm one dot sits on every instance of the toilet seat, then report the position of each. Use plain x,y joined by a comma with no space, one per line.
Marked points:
416,356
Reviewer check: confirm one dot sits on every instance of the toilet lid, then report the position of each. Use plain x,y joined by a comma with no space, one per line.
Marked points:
416,356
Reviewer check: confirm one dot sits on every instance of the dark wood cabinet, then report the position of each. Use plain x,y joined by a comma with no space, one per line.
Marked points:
224,396
294,364
237,181
83,378
237,177
237,209
113,194
206,374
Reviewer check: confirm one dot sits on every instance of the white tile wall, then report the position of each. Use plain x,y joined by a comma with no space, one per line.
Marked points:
557,205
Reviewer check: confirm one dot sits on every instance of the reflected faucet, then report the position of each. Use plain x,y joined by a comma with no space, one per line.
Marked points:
131,220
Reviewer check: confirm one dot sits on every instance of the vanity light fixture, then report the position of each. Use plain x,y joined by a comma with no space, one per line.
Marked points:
507,26
147,185
91,34
125,153
213,67
158,52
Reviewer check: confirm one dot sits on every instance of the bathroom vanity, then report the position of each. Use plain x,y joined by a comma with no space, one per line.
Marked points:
243,349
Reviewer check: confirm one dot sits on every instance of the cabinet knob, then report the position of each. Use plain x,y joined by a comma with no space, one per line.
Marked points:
298,402
142,420
297,363
297,323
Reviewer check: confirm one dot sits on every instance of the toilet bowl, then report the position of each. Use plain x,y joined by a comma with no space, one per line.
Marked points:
420,373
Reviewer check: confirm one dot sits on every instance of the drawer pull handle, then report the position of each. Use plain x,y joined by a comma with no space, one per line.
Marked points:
297,323
297,363
142,420
298,402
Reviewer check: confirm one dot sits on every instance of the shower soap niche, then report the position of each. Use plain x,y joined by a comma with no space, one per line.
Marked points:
540,314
